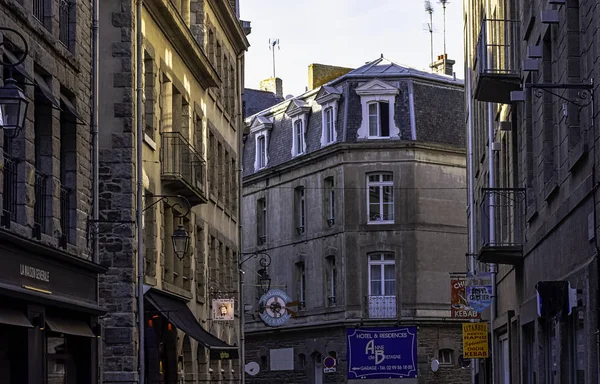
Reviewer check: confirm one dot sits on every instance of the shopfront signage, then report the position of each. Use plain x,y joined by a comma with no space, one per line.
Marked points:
382,353
475,340
479,291
222,309
459,307
34,273
272,307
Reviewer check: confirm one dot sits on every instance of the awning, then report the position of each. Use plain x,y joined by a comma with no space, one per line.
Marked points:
69,326
178,313
71,109
11,316
46,91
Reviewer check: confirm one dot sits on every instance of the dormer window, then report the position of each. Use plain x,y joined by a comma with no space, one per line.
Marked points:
378,104
298,111
260,128
328,98
379,119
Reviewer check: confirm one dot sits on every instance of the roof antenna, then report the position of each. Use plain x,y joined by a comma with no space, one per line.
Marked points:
272,44
444,3
429,9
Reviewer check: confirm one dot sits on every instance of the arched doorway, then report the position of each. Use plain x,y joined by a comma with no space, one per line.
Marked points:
317,368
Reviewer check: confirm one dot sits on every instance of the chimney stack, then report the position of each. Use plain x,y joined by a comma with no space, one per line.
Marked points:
443,67
319,74
273,85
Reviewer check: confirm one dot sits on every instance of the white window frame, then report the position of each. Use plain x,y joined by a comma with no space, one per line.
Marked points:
261,127
378,135
446,356
331,289
382,262
375,91
330,207
329,121
301,284
301,208
261,161
380,184
328,98
299,138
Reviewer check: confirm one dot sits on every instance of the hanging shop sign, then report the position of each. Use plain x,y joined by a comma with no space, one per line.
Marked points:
459,307
272,308
479,291
382,353
222,309
475,340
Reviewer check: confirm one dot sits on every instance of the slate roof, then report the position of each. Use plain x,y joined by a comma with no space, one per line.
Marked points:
256,100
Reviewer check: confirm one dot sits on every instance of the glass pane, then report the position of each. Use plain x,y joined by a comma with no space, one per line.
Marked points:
388,271
388,256
388,177
373,178
390,288
384,119
376,272
388,211
375,288
373,129
375,257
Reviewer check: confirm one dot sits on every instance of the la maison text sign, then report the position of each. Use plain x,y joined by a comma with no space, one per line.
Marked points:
34,273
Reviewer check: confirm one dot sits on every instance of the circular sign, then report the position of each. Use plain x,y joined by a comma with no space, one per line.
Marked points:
252,368
273,309
329,362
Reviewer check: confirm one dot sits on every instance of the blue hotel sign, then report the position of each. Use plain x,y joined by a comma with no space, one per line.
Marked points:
382,353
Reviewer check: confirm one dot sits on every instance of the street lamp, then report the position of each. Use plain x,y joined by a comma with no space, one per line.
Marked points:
264,280
13,103
180,240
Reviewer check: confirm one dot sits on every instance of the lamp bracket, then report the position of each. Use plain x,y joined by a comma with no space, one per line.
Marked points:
13,49
265,258
586,90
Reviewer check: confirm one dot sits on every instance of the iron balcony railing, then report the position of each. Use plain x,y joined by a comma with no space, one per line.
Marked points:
9,191
497,47
380,307
182,163
65,215
502,217
64,22
39,207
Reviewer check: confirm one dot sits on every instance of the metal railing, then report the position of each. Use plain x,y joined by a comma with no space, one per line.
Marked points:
502,217
64,22
9,191
39,10
380,307
39,207
182,162
65,215
497,47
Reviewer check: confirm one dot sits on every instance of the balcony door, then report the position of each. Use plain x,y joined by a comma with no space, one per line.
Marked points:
382,286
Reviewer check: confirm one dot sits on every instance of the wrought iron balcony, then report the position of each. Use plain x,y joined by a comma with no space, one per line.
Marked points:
380,307
9,192
497,69
182,168
502,222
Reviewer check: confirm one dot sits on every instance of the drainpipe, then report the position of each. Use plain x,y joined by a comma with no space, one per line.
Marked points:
240,122
95,163
140,190
492,202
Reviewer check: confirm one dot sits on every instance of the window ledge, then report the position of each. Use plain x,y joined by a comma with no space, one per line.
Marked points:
151,143
385,222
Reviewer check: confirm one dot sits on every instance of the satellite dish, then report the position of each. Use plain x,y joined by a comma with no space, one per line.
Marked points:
435,365
252,368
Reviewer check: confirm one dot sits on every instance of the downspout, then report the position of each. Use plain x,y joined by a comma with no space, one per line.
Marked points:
139,192
95,164
411,106
492,203
240,122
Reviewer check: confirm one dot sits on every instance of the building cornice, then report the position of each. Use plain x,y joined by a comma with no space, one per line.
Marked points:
179,35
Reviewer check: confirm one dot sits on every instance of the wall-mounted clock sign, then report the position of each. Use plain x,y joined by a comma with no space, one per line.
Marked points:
273,308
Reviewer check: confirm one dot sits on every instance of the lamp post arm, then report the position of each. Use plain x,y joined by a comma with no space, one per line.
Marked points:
10,44
265,258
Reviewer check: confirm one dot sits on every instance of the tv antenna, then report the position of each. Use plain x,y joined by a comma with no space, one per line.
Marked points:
429,9
272,44
444,3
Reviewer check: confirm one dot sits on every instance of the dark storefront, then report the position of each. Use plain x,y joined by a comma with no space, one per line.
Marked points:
166,314
48,315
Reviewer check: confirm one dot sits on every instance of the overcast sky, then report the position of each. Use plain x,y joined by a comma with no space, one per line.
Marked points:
346,33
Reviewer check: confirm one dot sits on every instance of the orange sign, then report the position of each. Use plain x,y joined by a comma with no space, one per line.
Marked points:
459,307
475,340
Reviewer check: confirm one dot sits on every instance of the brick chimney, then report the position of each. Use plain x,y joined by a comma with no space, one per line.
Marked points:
442,68
274,85
319,74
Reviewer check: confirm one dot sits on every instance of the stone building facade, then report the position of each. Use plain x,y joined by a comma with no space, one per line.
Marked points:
193,61
48,280
532,185
355,191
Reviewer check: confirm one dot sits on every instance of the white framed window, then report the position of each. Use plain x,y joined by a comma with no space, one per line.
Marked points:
378,103
329,201
261,151
300,210
379,119
301,284
261,227
380,198
328,98
446,356
331,281
382,274
299,145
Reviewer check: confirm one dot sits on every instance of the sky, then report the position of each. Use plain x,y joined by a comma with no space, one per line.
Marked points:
345,33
